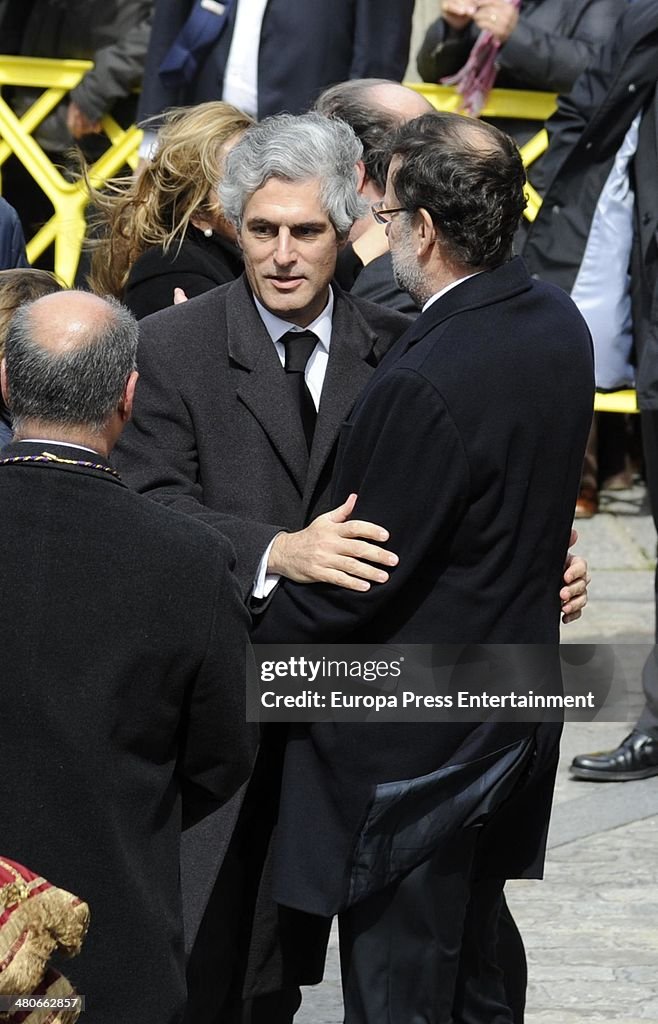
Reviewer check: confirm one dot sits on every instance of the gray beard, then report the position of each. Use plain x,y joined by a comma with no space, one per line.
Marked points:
409,276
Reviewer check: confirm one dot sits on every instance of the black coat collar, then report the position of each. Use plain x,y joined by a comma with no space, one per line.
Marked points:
64,457
481,290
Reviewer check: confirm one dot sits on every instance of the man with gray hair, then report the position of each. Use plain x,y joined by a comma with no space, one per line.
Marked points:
235,424
122,710
229,426
242,394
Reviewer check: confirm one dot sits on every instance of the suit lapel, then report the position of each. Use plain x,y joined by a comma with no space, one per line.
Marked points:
263,388
351,364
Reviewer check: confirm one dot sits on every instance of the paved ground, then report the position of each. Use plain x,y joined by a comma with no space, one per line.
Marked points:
591,927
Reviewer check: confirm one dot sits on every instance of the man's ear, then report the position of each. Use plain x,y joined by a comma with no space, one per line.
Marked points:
426,232
4,382
126,403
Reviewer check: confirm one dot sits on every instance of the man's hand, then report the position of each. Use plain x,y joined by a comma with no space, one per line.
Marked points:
333,550
78,123
179,296
458,13
576,577
497,17
373,242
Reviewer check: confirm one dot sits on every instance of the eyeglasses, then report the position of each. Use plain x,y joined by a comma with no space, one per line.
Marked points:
384,216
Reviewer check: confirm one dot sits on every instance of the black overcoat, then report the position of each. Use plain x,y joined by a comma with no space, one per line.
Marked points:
585,134
467,444
121,713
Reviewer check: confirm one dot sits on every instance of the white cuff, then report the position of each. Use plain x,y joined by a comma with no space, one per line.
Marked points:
148,145
265,581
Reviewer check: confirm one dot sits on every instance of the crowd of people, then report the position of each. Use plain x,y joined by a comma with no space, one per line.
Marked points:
349,413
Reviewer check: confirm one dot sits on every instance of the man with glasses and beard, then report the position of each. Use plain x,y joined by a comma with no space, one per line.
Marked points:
468,443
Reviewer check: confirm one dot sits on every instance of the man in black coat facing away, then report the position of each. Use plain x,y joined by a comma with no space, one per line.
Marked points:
610,107
463,445
122,709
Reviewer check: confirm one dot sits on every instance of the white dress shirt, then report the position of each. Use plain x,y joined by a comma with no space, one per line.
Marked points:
241,74
64,444
316,368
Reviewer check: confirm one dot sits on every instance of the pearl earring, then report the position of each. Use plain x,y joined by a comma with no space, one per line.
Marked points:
207,232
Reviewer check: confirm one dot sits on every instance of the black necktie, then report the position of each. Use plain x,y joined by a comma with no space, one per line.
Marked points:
299,345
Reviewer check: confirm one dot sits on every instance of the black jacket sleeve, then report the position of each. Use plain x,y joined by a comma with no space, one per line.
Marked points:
118,68
444,51
217,746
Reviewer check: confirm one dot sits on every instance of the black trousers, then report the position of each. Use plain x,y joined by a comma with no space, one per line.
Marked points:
425,950
649,718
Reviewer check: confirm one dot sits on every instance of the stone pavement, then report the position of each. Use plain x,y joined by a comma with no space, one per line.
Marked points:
591,927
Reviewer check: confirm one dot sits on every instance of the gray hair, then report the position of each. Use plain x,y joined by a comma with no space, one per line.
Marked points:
294,149
81,387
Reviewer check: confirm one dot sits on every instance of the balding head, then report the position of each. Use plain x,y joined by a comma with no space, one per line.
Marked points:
68,358
374,108
68,321
404,103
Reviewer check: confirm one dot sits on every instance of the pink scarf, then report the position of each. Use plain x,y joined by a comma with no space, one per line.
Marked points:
476,79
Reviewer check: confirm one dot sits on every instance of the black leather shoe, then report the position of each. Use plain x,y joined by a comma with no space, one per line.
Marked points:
636,757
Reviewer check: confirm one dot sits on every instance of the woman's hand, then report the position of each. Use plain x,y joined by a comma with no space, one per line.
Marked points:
498,17
458,13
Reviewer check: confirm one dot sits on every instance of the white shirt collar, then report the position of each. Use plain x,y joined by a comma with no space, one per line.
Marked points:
448,287
321,326
63,444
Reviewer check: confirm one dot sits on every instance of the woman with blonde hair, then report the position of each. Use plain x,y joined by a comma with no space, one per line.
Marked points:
164,229
22,284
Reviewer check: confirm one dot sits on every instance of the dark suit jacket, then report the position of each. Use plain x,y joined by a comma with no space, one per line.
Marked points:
467,444
196,265
214,436
214,433
303,49
121,710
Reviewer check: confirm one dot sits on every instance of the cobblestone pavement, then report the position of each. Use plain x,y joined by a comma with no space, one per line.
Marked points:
591,927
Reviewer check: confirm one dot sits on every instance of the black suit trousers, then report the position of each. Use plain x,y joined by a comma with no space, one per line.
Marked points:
649,717
426,949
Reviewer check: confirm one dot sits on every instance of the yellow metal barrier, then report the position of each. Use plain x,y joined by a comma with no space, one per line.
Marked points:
66,228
